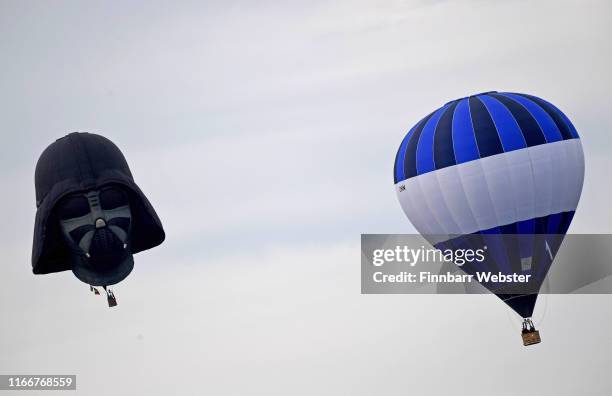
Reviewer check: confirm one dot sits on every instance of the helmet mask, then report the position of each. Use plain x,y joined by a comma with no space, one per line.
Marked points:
96,226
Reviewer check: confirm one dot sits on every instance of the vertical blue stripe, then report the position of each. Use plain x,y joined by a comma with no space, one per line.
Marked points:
546,123
444,154
424,153
486,134
525,226
508,129
540,225
528,125
401,156
553,222
569,124
565,127
410,168
464,141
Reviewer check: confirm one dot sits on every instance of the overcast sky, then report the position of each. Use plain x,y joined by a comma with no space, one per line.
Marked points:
264,133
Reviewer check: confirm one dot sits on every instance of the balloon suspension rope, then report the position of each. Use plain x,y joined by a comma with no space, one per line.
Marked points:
528,326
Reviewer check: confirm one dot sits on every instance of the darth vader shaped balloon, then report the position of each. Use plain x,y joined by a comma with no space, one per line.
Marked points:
91,216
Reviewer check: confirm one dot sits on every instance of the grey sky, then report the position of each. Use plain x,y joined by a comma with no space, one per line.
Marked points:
264,133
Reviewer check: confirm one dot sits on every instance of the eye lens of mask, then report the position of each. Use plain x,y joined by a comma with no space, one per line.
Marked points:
113,197
72,206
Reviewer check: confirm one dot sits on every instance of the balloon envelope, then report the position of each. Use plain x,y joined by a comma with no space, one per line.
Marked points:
494,164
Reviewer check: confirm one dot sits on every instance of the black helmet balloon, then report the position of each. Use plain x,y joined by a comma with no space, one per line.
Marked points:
91,216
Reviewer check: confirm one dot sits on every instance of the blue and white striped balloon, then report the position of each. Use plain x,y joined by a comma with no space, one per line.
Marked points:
493,163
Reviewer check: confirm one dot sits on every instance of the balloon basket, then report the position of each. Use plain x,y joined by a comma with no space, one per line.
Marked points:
531,337
529,333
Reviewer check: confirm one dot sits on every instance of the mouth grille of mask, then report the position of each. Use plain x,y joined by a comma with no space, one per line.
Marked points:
106,250
78,233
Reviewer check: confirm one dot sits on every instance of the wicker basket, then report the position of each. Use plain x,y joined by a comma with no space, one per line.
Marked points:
531,337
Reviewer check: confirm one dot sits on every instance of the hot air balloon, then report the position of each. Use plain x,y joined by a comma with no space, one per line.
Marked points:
91,217
505,169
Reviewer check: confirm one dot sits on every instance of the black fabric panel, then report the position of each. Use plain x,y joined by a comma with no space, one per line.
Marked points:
487,138
522,304
529,126
122,222
113,197
565,132
410,168
541,225
444,154
72,206
565,222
